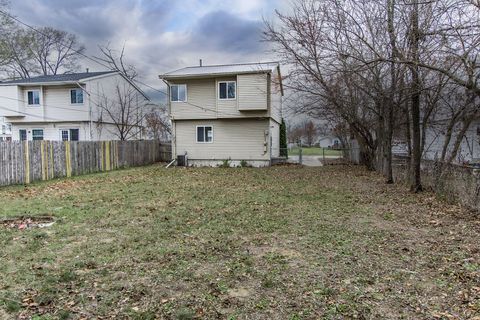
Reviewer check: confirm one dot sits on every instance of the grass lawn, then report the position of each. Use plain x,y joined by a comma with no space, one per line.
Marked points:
314,151
275,243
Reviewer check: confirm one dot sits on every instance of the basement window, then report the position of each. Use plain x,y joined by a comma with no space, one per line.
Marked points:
178,93
204,134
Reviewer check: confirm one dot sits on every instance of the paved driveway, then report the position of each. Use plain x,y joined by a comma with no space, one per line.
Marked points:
309,161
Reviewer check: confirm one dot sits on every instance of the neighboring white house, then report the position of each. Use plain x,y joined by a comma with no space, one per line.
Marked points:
328,142
469,149
5,130
68,106
226,112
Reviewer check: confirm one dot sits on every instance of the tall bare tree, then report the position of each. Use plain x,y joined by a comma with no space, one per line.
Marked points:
126,110
158,125
116,61
383,68
54,51
44,51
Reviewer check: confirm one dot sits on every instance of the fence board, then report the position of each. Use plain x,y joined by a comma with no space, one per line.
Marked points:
28,161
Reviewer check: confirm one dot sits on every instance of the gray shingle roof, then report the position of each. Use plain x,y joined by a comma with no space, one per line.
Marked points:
70,77
227,69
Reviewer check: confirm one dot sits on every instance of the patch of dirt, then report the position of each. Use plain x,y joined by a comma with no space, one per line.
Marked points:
239,293
26,222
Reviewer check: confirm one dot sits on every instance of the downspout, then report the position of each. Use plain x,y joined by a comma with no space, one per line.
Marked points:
174,127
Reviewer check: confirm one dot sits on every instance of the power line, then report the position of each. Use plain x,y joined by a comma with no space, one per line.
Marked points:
30,114
107,66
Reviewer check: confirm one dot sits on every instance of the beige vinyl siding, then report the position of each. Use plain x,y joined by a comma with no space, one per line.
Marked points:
243,139
201,100
252,92
203,103
227,107
58,104
10,97
275,142
32,113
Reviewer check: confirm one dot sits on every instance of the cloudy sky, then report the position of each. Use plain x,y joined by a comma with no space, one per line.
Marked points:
159,35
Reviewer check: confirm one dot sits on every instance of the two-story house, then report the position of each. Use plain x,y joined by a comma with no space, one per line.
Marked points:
226,112
70,107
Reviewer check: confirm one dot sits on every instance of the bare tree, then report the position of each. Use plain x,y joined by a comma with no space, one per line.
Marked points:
309,132
382,68
125,110
116,61
55,51
158,125
44,51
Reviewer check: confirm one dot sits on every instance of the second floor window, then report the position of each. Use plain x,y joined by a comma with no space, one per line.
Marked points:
178,92
33,97
227,90
76,96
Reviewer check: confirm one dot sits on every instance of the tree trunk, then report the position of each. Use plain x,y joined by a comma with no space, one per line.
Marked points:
416,181
390,105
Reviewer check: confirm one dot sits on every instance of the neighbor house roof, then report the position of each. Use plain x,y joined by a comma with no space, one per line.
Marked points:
68,78
58,78
222,70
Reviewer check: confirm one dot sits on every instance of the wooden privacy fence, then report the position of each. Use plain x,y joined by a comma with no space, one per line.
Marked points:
28,161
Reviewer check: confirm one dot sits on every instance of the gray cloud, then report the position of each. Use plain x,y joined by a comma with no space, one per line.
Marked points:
159,35
225,31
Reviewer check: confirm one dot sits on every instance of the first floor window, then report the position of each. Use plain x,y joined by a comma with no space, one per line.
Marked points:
76,96
37,134
33,97
64,134
70,134
178,92
226,90
204,134
23,134
74,134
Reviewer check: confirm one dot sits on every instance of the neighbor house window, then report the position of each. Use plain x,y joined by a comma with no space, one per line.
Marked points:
37,134
69,134
33,97
178,92
23,134
204,134
227,90
76,96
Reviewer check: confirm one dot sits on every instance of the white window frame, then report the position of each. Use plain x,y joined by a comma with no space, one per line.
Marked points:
61,136
178,85
69,130
227,82
203,126
77,103
39,98
43,133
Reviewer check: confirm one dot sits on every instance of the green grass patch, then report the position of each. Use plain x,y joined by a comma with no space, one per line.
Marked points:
238,243
315,151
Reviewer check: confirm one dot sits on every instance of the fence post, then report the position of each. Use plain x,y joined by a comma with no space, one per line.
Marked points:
300,158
